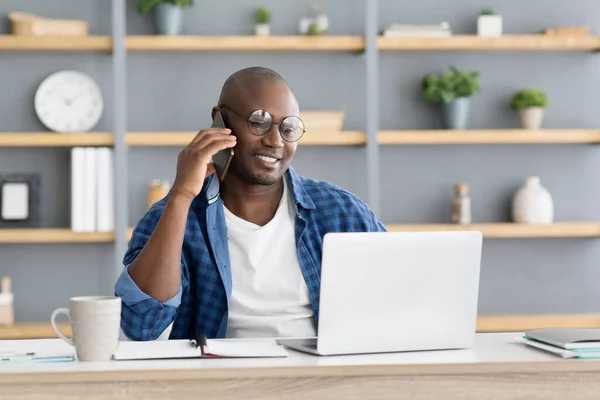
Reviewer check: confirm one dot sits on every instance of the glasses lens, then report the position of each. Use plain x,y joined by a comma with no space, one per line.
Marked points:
292,128
260,122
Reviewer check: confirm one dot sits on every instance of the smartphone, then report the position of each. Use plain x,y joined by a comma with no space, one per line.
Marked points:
223,158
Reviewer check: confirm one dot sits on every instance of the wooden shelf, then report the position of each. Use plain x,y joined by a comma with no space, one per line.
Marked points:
53,139
512,230
33,330
55,43
316,138
244,43
519,323
506,42
97,43
497,136
485,323
53,235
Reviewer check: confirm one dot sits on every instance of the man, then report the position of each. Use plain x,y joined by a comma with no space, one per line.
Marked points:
242,257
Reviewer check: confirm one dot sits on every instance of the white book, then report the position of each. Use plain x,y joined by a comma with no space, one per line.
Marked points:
89,194
77,188
104,189
213,348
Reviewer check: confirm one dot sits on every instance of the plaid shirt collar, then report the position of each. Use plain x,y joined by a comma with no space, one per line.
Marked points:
211,189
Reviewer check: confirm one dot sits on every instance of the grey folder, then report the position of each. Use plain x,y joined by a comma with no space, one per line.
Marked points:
567,338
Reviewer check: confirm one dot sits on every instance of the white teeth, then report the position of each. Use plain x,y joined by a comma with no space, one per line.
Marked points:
267,159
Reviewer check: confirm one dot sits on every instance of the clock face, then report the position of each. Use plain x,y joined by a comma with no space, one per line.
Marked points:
68,101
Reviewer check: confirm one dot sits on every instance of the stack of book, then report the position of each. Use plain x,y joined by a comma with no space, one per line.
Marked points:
92,208
565,342
407,30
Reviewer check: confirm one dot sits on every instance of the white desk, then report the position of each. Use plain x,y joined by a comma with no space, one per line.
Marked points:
496,368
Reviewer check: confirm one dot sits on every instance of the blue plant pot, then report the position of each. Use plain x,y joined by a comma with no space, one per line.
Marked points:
456,113
167,19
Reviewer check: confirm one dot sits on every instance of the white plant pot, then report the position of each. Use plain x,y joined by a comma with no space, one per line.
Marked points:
262,29
322,22
303,25
489,25
532,204
531,117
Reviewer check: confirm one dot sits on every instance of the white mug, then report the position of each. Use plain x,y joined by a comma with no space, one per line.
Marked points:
95,323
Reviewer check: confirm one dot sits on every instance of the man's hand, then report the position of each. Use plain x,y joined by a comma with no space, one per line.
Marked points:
194,161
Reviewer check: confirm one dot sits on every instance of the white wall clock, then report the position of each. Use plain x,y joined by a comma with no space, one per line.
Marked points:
68,101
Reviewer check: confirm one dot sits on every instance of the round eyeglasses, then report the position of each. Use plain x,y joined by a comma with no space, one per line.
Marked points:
260,123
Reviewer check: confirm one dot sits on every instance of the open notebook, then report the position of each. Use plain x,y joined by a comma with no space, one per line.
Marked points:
214,348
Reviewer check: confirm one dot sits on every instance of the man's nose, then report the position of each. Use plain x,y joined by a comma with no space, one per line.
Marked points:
272,138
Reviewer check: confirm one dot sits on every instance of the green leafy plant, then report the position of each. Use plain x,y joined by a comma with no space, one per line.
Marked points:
146,5
488,11
313,29
445,87
262,15
528,97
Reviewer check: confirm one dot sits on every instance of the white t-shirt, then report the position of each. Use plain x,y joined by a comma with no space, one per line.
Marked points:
269,297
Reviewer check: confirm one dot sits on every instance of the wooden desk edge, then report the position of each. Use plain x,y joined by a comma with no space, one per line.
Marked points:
475,368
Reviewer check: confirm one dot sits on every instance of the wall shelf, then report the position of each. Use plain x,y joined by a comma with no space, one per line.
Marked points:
33,330
53,235
343,138
512,230
244,43
103,43
55,43
502,229
506,42
493,136
485,323
316,138
53,139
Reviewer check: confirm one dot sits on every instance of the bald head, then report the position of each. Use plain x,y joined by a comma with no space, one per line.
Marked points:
244,81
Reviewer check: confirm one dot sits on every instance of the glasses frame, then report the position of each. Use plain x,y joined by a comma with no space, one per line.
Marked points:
272,123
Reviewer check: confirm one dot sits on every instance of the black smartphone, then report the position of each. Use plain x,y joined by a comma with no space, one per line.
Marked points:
223,158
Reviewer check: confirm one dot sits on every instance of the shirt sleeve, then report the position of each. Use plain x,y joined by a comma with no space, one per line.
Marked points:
142,316
131,294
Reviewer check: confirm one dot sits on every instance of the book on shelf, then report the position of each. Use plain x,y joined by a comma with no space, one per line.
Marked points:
565,342
92,207
406,30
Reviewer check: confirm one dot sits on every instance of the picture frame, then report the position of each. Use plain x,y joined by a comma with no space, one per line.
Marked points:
13,214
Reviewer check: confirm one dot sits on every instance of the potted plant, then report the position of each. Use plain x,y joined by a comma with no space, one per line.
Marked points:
489,23
168,14
452,89
262,16
530,104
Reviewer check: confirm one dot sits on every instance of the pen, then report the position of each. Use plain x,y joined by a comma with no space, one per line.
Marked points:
200,341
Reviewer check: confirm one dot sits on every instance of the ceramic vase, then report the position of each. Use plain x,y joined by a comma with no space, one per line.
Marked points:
262,29
489,25
167,19
531,117
456,113
533,204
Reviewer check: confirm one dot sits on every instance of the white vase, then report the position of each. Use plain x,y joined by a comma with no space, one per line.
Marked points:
489,25
262,29
531,117
532,204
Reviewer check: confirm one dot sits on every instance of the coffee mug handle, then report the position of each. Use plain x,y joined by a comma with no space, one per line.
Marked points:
55,313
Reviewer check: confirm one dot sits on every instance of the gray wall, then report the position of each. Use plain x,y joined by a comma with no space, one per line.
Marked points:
518,276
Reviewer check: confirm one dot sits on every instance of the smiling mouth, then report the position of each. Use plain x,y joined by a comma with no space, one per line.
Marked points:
268,159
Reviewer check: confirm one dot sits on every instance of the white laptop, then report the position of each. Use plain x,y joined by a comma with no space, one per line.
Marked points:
396,291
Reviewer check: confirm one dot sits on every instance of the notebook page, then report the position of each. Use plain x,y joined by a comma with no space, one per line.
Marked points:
244,349
156,349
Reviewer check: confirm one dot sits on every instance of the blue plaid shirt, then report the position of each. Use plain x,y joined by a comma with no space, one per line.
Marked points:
201,306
